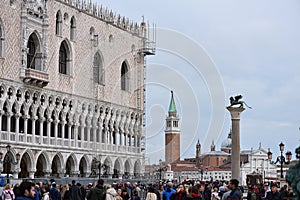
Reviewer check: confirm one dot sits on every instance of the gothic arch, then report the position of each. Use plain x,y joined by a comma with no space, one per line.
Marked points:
127,167
125,75
57,166
71,164
98,68
65,58
27,164
34,55
20,95
73,28
58,27
42,164
3,89
117,168
84,166
107,166
137,168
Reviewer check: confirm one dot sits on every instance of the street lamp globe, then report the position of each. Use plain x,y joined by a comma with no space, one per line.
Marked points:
281,146
288,156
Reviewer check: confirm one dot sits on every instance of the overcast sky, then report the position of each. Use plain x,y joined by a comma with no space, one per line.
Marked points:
210,50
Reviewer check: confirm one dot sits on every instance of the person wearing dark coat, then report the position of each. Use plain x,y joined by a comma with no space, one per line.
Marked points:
54,193
98,192
17,190
273,194
27,191
235,193
74,191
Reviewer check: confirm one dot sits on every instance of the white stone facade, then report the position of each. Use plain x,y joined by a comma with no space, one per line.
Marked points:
71,89
260,164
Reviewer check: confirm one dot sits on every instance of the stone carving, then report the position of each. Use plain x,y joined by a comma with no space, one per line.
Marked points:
38,6
293,175
237,101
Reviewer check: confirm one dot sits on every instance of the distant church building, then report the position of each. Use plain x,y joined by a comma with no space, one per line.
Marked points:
172,134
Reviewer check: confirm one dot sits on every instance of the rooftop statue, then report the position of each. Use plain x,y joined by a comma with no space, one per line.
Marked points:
237,101
293,176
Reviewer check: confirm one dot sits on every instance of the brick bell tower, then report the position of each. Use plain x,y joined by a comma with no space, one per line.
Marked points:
172,133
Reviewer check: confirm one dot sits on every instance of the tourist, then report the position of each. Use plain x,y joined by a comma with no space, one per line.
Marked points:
110,193
168,191
119,193
26,190
46,191
74,191
7,193
273,194
135,195
235,194
54,193
98,192
180,193
151,194
215,193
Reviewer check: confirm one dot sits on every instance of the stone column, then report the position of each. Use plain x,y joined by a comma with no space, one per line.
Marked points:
69,133
17,116
235,136
49,131
33,130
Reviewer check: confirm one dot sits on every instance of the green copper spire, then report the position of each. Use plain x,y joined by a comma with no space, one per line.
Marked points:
172,107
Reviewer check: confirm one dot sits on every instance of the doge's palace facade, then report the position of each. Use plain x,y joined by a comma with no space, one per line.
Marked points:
71,89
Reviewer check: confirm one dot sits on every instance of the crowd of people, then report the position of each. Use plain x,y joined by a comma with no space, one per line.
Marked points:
161,190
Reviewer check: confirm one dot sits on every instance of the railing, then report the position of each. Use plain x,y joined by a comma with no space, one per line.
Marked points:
64,142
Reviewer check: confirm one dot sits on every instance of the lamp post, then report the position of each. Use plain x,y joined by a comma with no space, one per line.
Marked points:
281,159
8,160
99,165
160,168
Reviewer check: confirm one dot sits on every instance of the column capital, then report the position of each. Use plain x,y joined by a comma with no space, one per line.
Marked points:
235,112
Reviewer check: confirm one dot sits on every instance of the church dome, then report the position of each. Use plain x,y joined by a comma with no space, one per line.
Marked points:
227,142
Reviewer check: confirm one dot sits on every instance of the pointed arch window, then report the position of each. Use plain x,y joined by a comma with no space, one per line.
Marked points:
31,53
2,40
73,29
98,70
34,56
58,26
124,77
64,59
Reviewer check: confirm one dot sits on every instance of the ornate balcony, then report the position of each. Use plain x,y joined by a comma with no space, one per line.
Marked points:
36,77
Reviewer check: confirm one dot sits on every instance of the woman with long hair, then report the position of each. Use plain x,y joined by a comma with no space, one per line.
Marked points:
8,193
